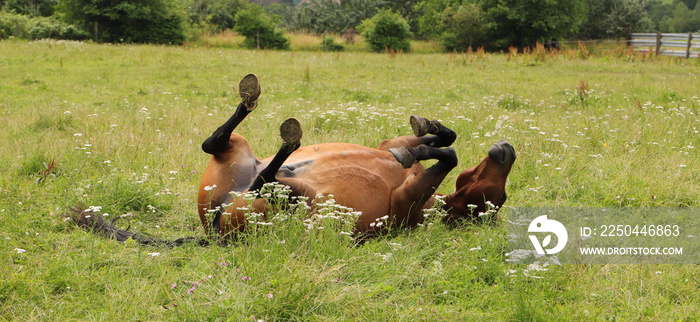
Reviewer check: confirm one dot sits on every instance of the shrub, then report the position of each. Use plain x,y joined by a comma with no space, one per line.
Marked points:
386,31
259,29
329,44
12,25
45,27
24,27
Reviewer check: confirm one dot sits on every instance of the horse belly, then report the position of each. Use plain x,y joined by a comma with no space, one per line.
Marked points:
363,180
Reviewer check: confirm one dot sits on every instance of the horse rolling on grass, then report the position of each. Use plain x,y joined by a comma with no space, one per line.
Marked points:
385,182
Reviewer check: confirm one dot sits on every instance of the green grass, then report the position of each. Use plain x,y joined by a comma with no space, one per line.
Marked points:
120,127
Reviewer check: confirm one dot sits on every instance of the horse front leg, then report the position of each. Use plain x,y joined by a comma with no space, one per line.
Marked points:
249,90
233,165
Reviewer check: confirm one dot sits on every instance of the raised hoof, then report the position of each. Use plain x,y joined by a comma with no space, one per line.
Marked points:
249,90
405,156
420,125
290,131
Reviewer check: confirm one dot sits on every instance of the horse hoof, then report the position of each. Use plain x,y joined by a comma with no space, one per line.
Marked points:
249,90
420,125
405,156
290,131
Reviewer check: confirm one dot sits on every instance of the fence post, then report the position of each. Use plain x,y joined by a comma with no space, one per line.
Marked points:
690,42
629,36
658,43
97,32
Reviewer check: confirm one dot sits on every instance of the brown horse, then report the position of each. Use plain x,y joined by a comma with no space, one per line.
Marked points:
387,182
384,182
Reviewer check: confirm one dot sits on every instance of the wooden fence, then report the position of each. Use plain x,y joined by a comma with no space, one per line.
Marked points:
680,45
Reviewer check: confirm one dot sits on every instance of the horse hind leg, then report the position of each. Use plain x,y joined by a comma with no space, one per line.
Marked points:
411,197
442,136
407,156
249,90
291,133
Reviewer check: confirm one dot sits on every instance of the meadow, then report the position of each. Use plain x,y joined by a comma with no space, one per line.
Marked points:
119,128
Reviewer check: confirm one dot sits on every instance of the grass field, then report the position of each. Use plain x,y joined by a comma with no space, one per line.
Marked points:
120,127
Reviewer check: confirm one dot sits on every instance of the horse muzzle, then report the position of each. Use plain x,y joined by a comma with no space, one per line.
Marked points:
502,153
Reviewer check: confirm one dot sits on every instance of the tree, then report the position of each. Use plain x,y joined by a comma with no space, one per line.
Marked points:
458,24
682,19
259,29
612,18
359,10
33,8
430,21
407,10
522,23
497,25
657,11
219,13
691,4
131,21
465,26
386,30
324,16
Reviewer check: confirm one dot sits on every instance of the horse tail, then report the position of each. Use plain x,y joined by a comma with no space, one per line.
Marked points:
106,228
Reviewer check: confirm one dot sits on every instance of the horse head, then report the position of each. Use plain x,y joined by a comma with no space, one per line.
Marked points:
482,187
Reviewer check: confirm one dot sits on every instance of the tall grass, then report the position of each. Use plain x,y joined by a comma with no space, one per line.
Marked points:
119,127
311,42
304,42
